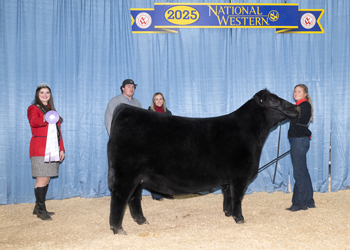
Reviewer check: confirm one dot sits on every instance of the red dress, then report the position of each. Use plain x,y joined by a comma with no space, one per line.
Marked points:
39,130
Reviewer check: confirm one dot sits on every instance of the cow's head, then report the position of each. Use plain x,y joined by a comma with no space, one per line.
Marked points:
278,109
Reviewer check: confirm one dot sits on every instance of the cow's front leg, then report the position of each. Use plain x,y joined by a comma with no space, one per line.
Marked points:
135,206
227,206
237,190
118,205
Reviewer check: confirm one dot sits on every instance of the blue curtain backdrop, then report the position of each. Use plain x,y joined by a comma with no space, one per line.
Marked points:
84,49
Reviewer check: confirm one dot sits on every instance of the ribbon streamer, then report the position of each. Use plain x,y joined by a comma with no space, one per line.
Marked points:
52,148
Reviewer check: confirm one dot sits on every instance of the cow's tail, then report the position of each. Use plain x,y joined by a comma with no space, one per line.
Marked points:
111,172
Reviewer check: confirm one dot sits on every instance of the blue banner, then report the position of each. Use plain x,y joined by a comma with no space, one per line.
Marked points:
225,15
167,17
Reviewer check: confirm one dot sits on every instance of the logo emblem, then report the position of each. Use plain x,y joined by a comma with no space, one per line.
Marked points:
308,21
143,20
273,15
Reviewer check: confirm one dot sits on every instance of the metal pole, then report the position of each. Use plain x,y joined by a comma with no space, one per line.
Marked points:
278,152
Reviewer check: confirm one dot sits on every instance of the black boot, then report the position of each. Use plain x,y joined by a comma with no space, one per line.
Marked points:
35,211
42,213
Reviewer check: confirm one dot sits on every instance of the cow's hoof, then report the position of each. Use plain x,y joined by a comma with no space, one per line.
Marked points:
119,231
228,214
141,221
239,220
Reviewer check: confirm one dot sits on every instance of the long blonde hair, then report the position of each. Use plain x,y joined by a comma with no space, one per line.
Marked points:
153,105
308,98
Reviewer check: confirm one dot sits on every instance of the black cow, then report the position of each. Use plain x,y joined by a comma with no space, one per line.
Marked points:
177,155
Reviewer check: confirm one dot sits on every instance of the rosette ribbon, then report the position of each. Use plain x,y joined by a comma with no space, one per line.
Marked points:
52,149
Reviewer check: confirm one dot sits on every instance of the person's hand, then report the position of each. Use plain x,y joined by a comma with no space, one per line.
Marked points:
61,155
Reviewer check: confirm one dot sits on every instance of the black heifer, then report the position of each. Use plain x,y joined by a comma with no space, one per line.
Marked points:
177,155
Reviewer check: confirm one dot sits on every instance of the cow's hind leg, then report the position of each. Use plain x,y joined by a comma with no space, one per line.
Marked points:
237,190
135,206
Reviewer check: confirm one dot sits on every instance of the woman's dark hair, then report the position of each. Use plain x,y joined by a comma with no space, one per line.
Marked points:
37,101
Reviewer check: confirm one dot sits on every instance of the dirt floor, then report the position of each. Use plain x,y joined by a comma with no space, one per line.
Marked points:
182,223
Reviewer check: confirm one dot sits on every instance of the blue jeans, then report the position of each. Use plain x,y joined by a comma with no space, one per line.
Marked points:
156,196
303,191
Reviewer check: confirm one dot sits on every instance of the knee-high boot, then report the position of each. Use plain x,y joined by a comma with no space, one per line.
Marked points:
40,194
35,210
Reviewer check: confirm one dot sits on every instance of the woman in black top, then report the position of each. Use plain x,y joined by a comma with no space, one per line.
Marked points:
299,137
158,104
